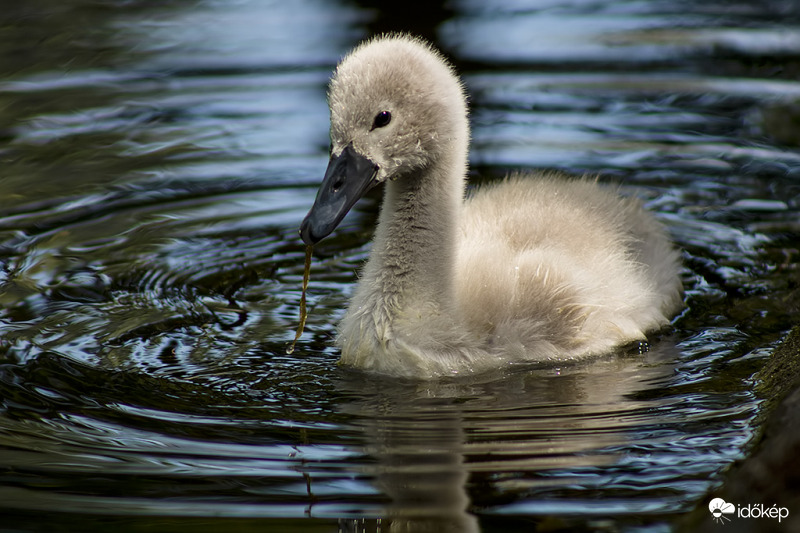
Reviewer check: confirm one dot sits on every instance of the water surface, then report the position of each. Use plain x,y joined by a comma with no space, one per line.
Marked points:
157,160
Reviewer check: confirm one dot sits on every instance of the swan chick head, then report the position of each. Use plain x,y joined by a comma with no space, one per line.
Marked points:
396,108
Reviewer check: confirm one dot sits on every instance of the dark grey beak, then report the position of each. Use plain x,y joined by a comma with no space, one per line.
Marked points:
348,177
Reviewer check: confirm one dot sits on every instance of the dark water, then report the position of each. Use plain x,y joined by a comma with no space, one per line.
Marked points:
156,160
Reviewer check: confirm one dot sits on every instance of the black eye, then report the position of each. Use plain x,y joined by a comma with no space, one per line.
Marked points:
381,119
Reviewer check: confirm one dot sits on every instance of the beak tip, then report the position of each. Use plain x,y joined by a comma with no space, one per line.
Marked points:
307,234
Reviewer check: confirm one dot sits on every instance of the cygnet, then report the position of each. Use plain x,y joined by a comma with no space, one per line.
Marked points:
535,267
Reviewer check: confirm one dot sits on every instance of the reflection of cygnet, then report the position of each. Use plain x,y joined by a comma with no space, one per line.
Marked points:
537,267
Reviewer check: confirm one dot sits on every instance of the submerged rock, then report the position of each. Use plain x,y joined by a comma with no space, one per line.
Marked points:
764,488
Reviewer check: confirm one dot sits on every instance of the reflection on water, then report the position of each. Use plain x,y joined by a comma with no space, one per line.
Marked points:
157,159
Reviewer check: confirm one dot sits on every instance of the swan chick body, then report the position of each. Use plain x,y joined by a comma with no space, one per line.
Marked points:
536,267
